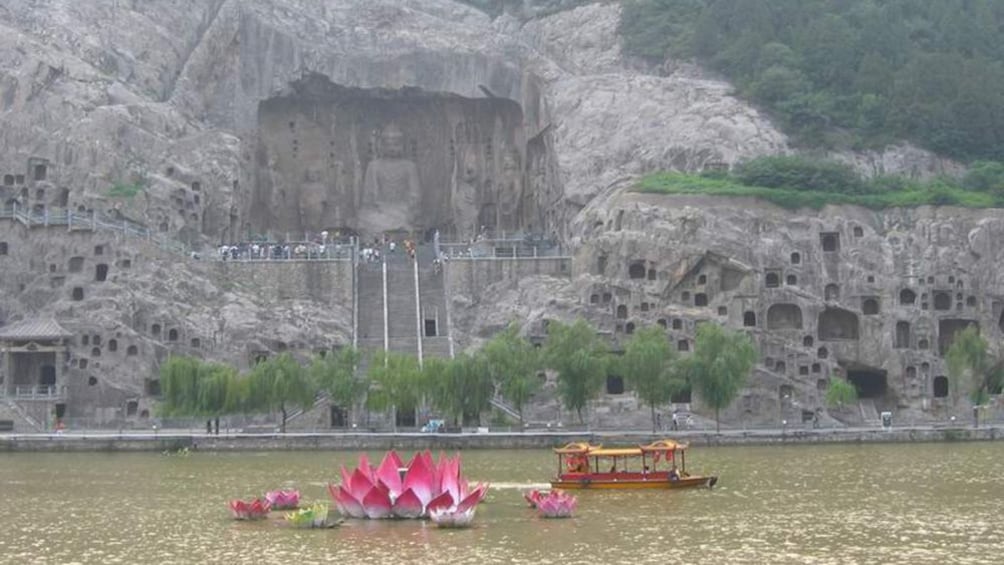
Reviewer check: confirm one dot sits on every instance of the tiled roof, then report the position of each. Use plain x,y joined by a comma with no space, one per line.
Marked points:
34,329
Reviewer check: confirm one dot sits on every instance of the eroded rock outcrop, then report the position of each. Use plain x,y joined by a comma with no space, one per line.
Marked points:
217,120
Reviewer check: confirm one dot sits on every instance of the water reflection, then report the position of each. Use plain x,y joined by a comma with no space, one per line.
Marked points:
826,504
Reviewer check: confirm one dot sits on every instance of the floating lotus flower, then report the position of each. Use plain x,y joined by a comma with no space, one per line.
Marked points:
315,516
283,499
382,492
533,497
556,504
253,510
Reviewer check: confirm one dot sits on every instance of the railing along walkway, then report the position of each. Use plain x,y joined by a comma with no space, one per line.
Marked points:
92,221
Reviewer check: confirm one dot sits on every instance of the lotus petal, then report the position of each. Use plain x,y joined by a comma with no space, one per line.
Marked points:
532,497
396,459
419,479
366,468
408,505
450,482
376,504
360,484
444,500
388,474
449,518
347,504
471,501
346,478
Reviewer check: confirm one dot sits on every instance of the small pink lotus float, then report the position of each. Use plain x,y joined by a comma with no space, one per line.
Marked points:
283,499
425,487
252,510
554,504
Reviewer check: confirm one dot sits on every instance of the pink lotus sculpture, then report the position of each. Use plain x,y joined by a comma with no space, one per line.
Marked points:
555,504
253,510
533,497
283,499
425,488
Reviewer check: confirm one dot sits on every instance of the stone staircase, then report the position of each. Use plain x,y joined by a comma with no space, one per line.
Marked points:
370,310
869,414
432,288
402,325
23,422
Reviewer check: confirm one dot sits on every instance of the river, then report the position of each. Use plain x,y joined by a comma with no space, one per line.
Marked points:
913,503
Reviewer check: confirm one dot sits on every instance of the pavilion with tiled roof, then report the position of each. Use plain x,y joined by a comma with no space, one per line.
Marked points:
34,352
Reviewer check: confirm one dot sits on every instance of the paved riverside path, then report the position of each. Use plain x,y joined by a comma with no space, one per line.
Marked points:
169,440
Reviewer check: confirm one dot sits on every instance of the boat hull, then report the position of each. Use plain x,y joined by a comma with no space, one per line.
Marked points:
587,483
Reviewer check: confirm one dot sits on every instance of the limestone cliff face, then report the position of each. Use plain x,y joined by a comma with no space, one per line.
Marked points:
288,117
845,292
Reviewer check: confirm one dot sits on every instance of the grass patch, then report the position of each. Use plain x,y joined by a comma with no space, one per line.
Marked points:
911,195
125,190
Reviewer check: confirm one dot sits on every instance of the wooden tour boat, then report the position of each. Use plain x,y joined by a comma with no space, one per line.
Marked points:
585,466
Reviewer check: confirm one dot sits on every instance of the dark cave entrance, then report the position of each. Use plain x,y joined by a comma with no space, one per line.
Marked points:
870,382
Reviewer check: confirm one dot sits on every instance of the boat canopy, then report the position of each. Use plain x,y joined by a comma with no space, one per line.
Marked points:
577,448
618,452
663,445
584,448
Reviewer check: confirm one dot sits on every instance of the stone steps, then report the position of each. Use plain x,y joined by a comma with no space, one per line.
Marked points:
401,299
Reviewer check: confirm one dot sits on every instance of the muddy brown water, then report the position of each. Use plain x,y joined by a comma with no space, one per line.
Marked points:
914,503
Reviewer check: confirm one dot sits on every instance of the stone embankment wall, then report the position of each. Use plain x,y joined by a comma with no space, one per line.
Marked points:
325,282
359,442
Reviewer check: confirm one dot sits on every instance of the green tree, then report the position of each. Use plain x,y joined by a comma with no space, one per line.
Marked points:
971,369
280,383
840,393
460,387
649,366
512,363
580,358
192,387
396,383
335,374
719,366
985,176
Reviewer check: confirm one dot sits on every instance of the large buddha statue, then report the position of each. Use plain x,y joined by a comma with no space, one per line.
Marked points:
391,193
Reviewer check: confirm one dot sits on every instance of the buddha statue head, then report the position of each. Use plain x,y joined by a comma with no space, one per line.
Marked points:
391,142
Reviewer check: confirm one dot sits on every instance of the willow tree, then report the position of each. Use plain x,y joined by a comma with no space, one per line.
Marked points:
649,366
512,363
279,384
972,370
192,387
840,393
395,383
459,387
335,374
580,358
720,365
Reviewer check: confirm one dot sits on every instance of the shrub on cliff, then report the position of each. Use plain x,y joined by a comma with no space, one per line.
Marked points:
794,172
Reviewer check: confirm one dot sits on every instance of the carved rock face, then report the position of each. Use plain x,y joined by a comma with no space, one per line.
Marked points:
372,162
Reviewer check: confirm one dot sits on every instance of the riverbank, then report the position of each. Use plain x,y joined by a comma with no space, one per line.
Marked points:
175,441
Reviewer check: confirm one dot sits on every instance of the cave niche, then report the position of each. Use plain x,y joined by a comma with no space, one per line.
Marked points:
837,324
784,316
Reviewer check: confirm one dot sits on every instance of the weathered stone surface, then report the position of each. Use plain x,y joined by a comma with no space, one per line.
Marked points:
871,296
415,115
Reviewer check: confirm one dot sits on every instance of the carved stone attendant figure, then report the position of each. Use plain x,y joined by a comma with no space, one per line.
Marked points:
313,200
391,188
510,190
464,196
